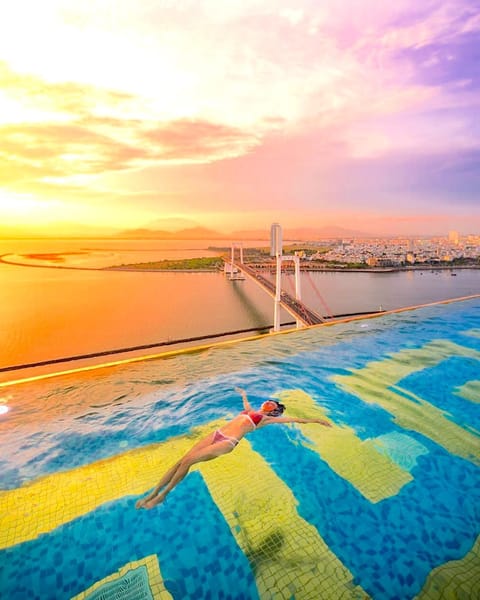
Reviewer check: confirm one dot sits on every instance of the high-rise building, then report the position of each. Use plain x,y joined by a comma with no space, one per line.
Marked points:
276,240
453,237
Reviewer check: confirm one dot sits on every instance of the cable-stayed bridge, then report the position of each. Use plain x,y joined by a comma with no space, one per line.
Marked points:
293,306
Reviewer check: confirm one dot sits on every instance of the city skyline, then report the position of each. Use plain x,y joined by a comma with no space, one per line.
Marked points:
232,115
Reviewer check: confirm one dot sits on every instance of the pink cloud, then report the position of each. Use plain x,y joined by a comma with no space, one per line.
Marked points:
90,144
196,140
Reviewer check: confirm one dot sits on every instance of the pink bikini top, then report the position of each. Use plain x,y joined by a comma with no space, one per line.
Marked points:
255,417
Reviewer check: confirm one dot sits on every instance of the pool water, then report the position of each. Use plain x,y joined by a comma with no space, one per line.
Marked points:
385,504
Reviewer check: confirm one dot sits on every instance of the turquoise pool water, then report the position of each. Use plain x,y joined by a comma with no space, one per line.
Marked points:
403,394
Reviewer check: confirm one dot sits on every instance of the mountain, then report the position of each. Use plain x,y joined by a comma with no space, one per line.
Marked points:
162,229
319,233
191,233
301,233
171,224
203,233
250,234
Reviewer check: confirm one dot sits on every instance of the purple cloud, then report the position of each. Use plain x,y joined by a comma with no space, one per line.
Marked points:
449,63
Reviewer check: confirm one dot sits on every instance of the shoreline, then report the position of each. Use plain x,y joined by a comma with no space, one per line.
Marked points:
261,267
394,269
310,269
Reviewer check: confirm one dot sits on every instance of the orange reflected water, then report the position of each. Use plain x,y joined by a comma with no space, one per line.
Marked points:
47,313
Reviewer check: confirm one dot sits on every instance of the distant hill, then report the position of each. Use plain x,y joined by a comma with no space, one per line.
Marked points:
203,233
319,233
174,229
250,234
191,233
301,233
171,224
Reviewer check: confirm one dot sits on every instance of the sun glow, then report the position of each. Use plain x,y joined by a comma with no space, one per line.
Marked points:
65,217
18,209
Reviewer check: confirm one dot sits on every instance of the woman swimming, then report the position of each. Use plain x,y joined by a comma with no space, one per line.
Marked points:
220,442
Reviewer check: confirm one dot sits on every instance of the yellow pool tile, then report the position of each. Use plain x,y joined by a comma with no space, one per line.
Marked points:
48,502
376,384
307,565
455,580
288,556
470,391
155,580
375,475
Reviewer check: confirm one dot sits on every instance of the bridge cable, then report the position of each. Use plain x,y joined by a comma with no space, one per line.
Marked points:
319,296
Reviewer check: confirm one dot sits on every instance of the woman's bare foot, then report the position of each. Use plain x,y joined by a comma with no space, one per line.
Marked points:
150,502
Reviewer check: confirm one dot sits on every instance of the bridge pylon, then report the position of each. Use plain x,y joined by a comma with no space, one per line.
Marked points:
304,316
276,249
233,272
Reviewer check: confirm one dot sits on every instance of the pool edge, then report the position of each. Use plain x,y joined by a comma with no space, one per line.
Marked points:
201,348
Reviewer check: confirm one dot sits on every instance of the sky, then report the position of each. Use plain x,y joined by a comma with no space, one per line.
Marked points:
230,115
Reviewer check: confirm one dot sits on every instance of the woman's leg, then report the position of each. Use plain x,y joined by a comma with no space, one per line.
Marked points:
204,442
163,481
201,455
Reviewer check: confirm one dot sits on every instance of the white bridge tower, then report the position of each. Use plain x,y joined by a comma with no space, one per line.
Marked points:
230,269
276,250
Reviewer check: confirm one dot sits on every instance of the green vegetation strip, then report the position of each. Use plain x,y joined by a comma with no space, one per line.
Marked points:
209,262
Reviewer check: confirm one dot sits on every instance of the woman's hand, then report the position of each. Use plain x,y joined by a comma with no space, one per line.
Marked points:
323,422
246,403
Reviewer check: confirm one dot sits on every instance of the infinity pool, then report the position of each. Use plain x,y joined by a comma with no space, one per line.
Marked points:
385,504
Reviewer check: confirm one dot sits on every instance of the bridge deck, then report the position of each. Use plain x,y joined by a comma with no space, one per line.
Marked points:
295,307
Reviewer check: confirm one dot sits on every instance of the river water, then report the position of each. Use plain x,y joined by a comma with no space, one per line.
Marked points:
48,312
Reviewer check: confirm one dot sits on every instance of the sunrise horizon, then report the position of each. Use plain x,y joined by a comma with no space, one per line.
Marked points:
197,231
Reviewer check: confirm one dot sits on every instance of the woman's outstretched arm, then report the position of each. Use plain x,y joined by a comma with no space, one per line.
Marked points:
270,420
243,393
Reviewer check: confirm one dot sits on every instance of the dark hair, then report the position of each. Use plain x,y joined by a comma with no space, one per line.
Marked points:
276,412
